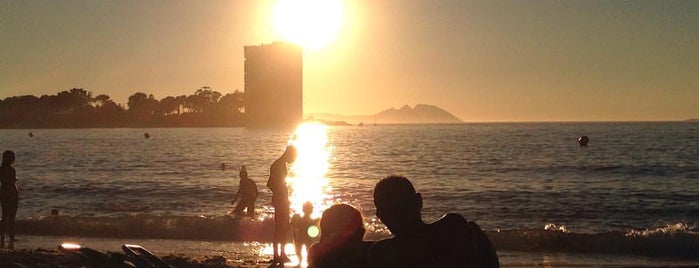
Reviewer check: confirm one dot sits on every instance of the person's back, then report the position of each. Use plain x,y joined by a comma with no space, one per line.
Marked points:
451,241
8,185
248,190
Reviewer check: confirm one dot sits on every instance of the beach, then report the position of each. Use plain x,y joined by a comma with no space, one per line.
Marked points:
37,251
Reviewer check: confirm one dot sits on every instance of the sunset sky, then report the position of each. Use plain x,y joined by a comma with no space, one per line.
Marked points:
481,60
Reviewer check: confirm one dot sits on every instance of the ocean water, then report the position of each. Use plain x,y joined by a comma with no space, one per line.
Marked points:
633,190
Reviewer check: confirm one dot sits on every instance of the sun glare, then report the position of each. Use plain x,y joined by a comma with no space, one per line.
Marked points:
307,180
309,23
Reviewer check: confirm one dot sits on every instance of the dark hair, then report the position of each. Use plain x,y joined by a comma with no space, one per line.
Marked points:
8,157
341,220
394,189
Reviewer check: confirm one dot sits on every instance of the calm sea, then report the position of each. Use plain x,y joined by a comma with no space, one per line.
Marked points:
529,185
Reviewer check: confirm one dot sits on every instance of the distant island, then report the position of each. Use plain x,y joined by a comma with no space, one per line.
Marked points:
693,120
420,114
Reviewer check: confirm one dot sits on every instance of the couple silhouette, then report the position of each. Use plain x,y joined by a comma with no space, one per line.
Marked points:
451,241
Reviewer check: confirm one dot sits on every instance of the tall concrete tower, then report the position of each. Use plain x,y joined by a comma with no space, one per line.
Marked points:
274,85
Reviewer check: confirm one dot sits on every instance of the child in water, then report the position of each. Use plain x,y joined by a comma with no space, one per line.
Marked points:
305,229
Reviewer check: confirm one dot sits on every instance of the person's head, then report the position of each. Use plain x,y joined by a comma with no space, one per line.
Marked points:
341,224
289,155
8,158
243,173
307,208
397,204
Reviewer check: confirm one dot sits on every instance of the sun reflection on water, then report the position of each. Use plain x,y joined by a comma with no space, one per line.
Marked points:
307,181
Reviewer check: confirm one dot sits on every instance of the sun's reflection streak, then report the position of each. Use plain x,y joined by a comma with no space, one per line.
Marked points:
307,179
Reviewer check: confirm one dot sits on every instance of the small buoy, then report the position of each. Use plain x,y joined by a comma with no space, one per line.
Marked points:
146,135
583,140
31,134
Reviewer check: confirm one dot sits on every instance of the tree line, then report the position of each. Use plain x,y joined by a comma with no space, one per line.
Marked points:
77,108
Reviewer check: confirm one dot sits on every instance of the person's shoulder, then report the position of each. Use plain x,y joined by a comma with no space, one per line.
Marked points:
456,226
382,246
451,220
295,218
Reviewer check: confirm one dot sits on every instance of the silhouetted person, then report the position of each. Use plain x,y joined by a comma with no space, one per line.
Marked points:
280,202
451,241
301,226
9,197
340,245
583,140
247,192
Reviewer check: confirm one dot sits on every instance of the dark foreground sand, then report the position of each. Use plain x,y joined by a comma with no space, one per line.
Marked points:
41,258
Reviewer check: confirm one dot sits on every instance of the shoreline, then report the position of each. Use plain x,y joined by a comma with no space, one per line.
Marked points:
41,251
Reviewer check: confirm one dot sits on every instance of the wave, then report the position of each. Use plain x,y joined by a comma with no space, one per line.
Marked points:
677,240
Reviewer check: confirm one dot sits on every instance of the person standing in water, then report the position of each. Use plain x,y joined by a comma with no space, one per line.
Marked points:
305,229
280,201
247,192
9,197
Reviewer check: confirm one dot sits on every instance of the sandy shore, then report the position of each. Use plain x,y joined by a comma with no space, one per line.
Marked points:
52,258
41,251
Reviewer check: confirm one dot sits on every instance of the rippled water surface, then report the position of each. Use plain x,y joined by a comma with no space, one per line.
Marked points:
504,176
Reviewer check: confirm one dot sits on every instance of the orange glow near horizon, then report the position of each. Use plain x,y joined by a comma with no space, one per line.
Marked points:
309,23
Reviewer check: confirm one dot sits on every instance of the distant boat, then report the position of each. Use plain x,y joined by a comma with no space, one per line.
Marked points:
31,134
361,124
146,135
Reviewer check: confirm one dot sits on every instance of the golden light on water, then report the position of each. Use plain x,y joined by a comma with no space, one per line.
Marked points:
307,181
309,23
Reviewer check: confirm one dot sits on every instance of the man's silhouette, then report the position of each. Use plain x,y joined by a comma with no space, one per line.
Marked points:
451,241
280,202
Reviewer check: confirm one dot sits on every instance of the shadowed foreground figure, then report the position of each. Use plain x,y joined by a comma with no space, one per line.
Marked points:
340,245
280,202
451,241
9,197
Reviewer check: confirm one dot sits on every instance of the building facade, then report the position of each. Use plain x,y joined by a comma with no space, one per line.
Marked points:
274,85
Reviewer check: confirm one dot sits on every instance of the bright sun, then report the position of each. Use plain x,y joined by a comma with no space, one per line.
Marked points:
309,23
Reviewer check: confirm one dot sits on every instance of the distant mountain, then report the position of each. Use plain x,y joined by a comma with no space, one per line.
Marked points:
420,114
692,120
